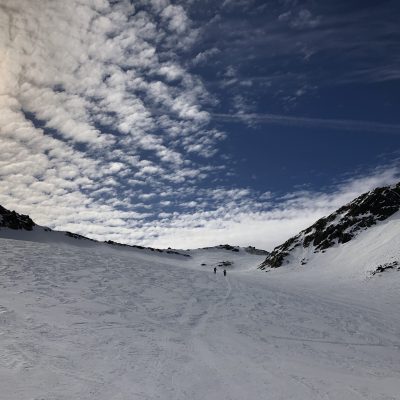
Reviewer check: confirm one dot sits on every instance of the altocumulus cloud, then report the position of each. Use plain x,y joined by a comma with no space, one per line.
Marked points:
103,130
87,87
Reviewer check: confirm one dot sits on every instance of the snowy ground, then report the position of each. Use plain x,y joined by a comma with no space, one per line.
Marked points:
107,324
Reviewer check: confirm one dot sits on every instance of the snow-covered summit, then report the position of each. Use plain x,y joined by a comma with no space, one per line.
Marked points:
356,221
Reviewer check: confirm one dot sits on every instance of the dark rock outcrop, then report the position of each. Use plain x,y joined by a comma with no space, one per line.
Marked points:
77,236
386,267
13,220
256,252
227,247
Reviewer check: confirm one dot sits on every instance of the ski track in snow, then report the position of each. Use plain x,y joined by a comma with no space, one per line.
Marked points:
102,324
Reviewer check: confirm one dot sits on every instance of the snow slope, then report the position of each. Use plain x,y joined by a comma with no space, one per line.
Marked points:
109,323
356,259
22,227
354,241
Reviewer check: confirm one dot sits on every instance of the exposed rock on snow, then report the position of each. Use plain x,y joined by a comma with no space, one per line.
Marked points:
386,267
340,227
13,220
236,249
225,264
227,247
257,252
77,236
168,251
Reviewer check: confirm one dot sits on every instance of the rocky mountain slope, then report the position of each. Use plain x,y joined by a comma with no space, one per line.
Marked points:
13,220
343,226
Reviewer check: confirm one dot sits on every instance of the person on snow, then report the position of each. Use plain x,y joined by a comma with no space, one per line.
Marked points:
224,272
215,270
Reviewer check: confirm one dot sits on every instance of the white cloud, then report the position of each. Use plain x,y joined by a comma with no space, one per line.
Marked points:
204,56
300,19
176,18
83,95
241,220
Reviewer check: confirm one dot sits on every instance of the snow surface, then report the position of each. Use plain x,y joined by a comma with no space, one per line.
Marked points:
106,323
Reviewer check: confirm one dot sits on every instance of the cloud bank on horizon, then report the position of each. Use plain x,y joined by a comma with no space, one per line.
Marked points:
107,125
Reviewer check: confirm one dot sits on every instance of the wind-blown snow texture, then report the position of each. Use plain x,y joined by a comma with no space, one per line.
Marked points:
107,323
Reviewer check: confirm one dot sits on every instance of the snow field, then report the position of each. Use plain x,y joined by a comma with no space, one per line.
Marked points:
107,324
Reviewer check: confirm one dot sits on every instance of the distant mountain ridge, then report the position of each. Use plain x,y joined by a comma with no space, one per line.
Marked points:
236,249
19,222
340,227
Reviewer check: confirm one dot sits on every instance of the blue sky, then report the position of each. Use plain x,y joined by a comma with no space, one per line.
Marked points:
317,60
193,123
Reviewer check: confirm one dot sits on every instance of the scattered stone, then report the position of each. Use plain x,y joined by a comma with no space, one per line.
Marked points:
384,267
225,263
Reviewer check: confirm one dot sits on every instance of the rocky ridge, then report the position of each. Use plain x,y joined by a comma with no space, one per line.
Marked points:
12,220
341,226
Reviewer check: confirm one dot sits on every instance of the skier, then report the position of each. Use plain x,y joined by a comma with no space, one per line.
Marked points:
224,272
215,270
